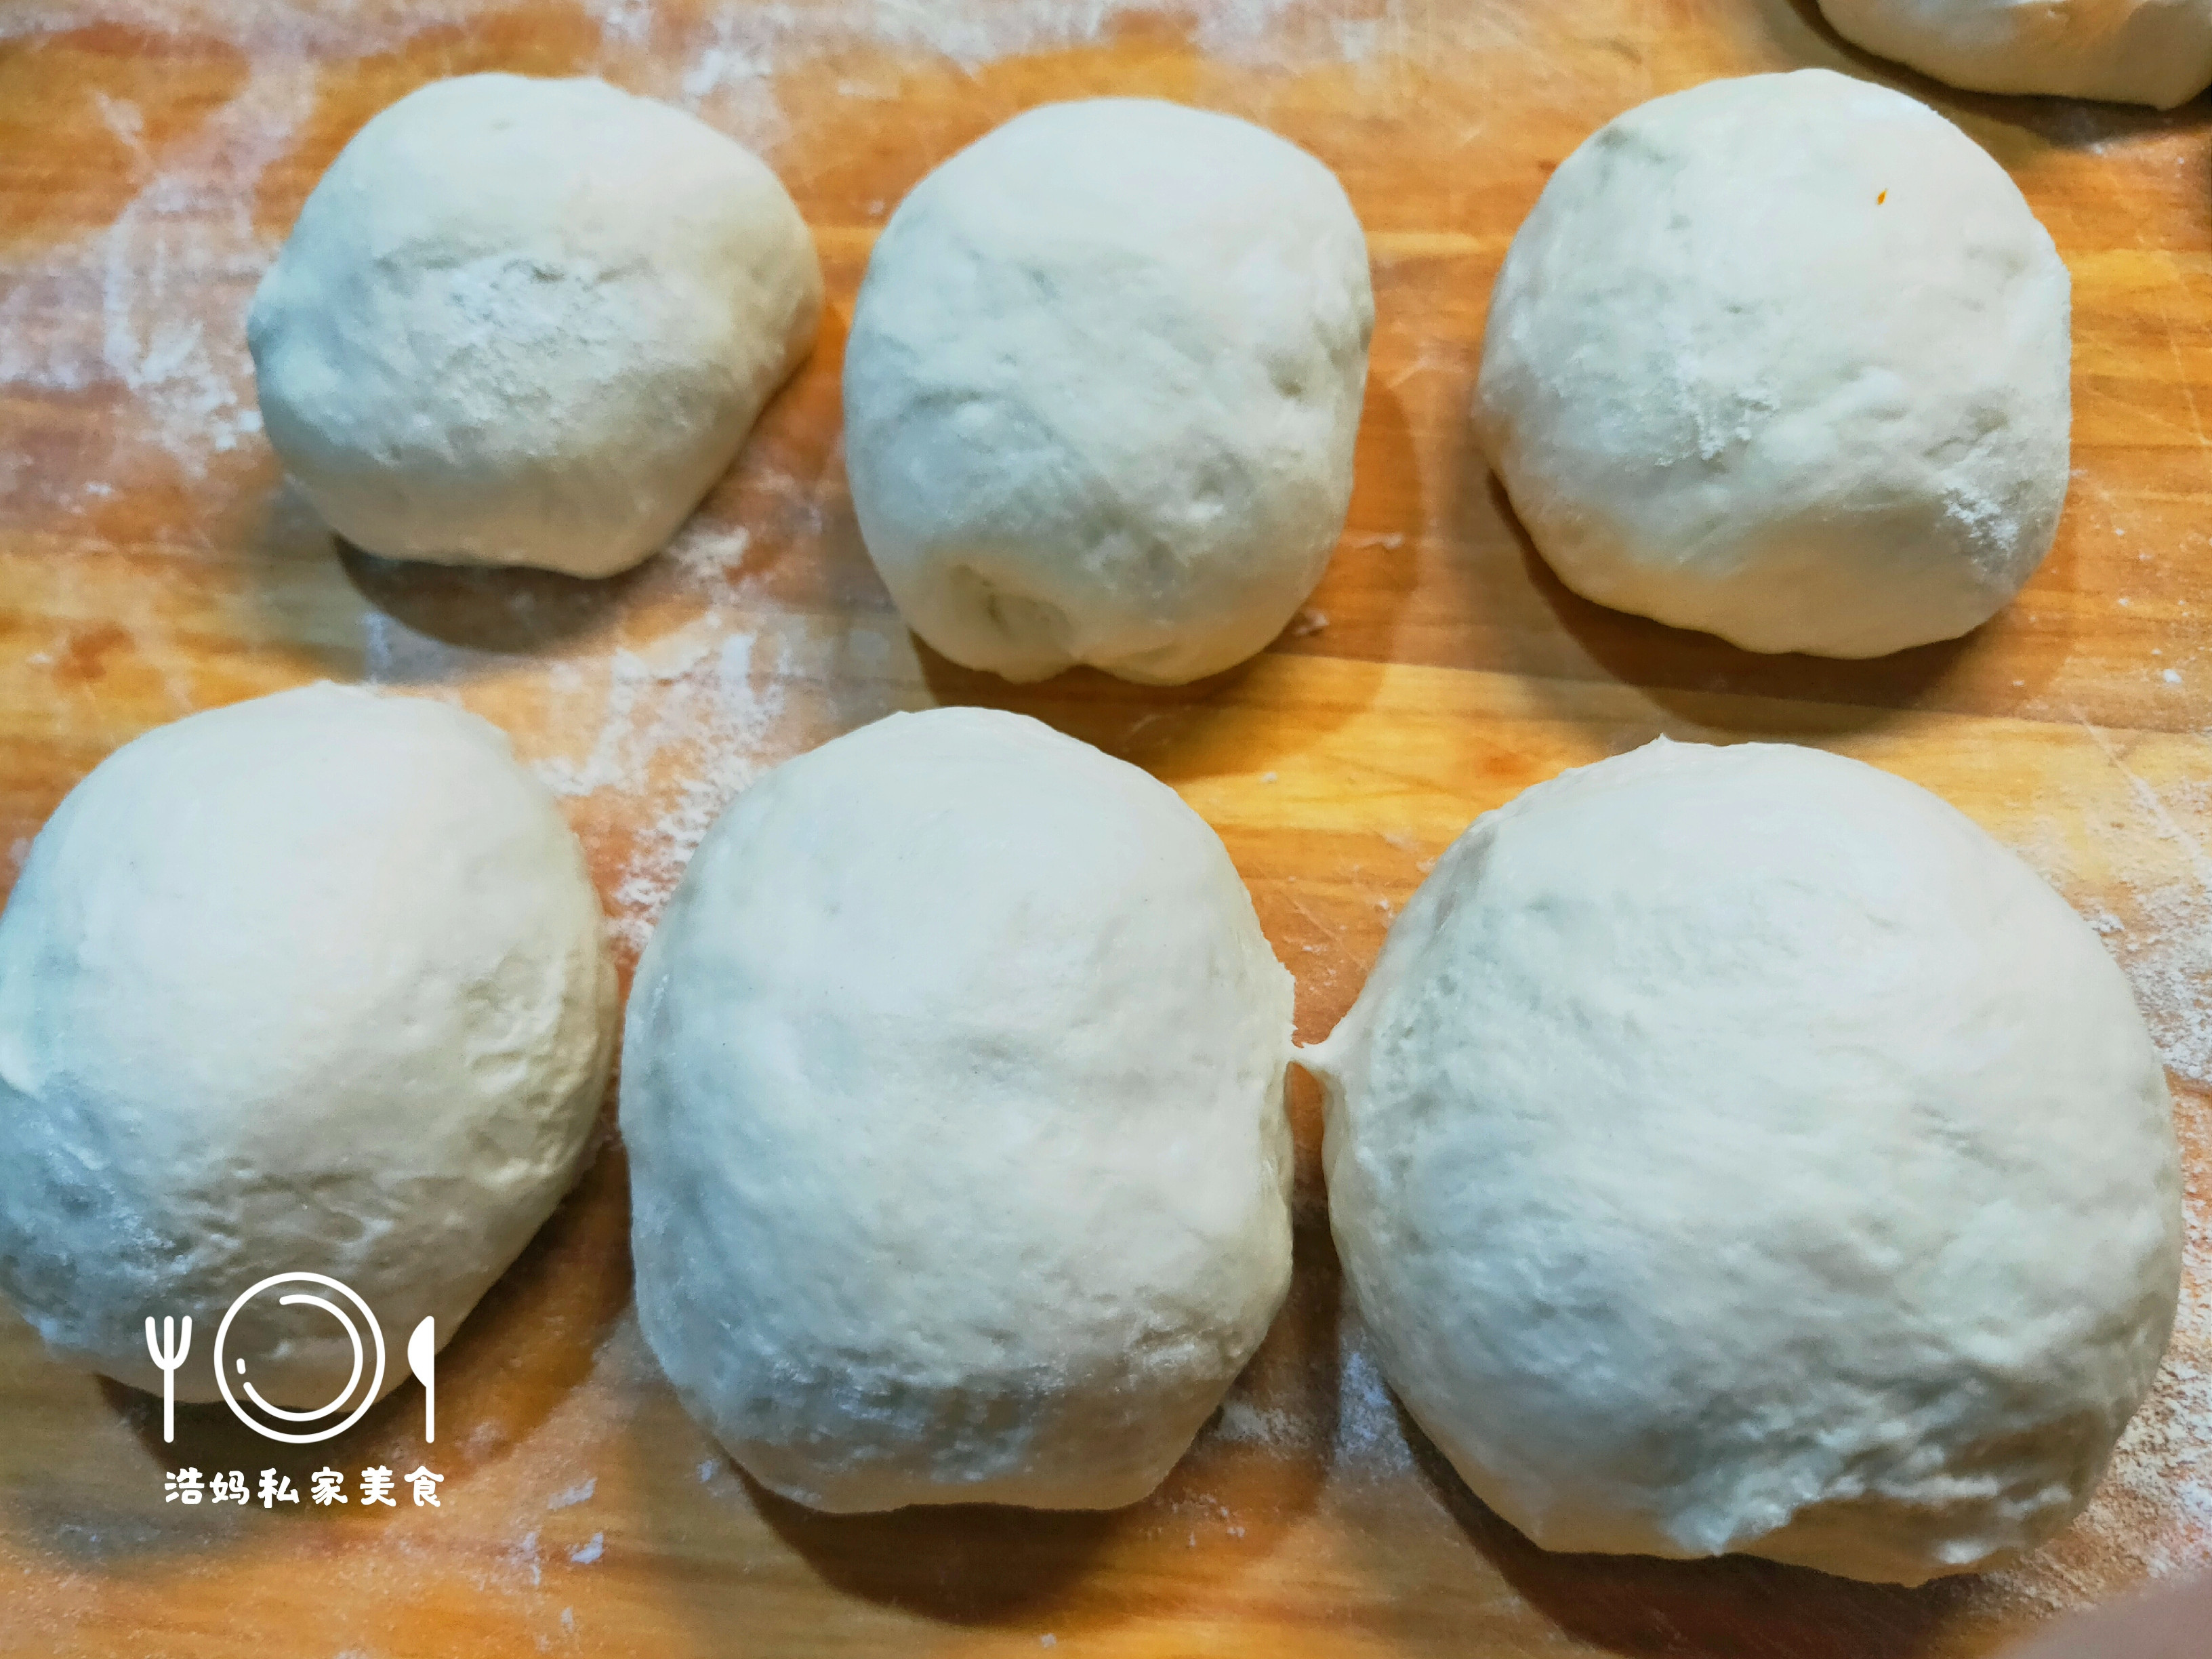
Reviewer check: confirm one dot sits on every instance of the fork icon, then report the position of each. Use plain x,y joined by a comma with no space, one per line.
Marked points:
168,1353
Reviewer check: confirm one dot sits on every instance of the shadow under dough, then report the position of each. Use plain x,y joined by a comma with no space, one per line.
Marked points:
1676,666
510,610
1733,1607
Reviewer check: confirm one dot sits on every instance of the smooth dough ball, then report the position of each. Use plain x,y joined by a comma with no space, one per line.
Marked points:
1737,1150
312,984
1101,392
2135,51
1786,359
529,322
953,1093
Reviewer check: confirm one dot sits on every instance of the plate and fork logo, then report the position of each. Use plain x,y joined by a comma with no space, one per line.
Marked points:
169,1347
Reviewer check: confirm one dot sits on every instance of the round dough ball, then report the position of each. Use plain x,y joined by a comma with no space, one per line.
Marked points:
1101,389
1737,1150
953,1092
529,322
1784,358
2137,51
314,983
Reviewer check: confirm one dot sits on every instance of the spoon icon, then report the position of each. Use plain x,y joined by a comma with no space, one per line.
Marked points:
421,1360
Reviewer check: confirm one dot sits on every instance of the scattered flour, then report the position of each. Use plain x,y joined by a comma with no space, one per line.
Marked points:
152,310
761,40
1243,1423
2152,1517
750,44
178,267
1370,1442
684,728
524,1559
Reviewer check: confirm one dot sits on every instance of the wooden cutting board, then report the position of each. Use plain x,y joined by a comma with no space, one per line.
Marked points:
152,562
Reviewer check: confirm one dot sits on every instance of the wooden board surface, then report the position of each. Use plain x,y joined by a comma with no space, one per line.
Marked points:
152,562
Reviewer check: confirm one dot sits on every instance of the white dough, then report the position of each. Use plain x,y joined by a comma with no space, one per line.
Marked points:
953,1093
1737,1150
1783,358
1102,388
2135,51
529,322
312,984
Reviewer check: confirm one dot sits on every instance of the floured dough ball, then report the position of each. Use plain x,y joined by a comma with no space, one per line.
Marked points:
1102,388
313,983
529,322
1737,1150
1784,358
953,1093
2135,51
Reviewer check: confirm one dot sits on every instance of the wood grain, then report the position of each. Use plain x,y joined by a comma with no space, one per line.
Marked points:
153,562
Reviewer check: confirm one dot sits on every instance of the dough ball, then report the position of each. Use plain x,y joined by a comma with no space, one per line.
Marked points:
1102,388
529,322
1783,358
312,983
1737,1150
2137,52
953,1092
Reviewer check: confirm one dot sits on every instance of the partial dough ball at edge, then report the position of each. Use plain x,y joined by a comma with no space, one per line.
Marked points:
2137,51
314,982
